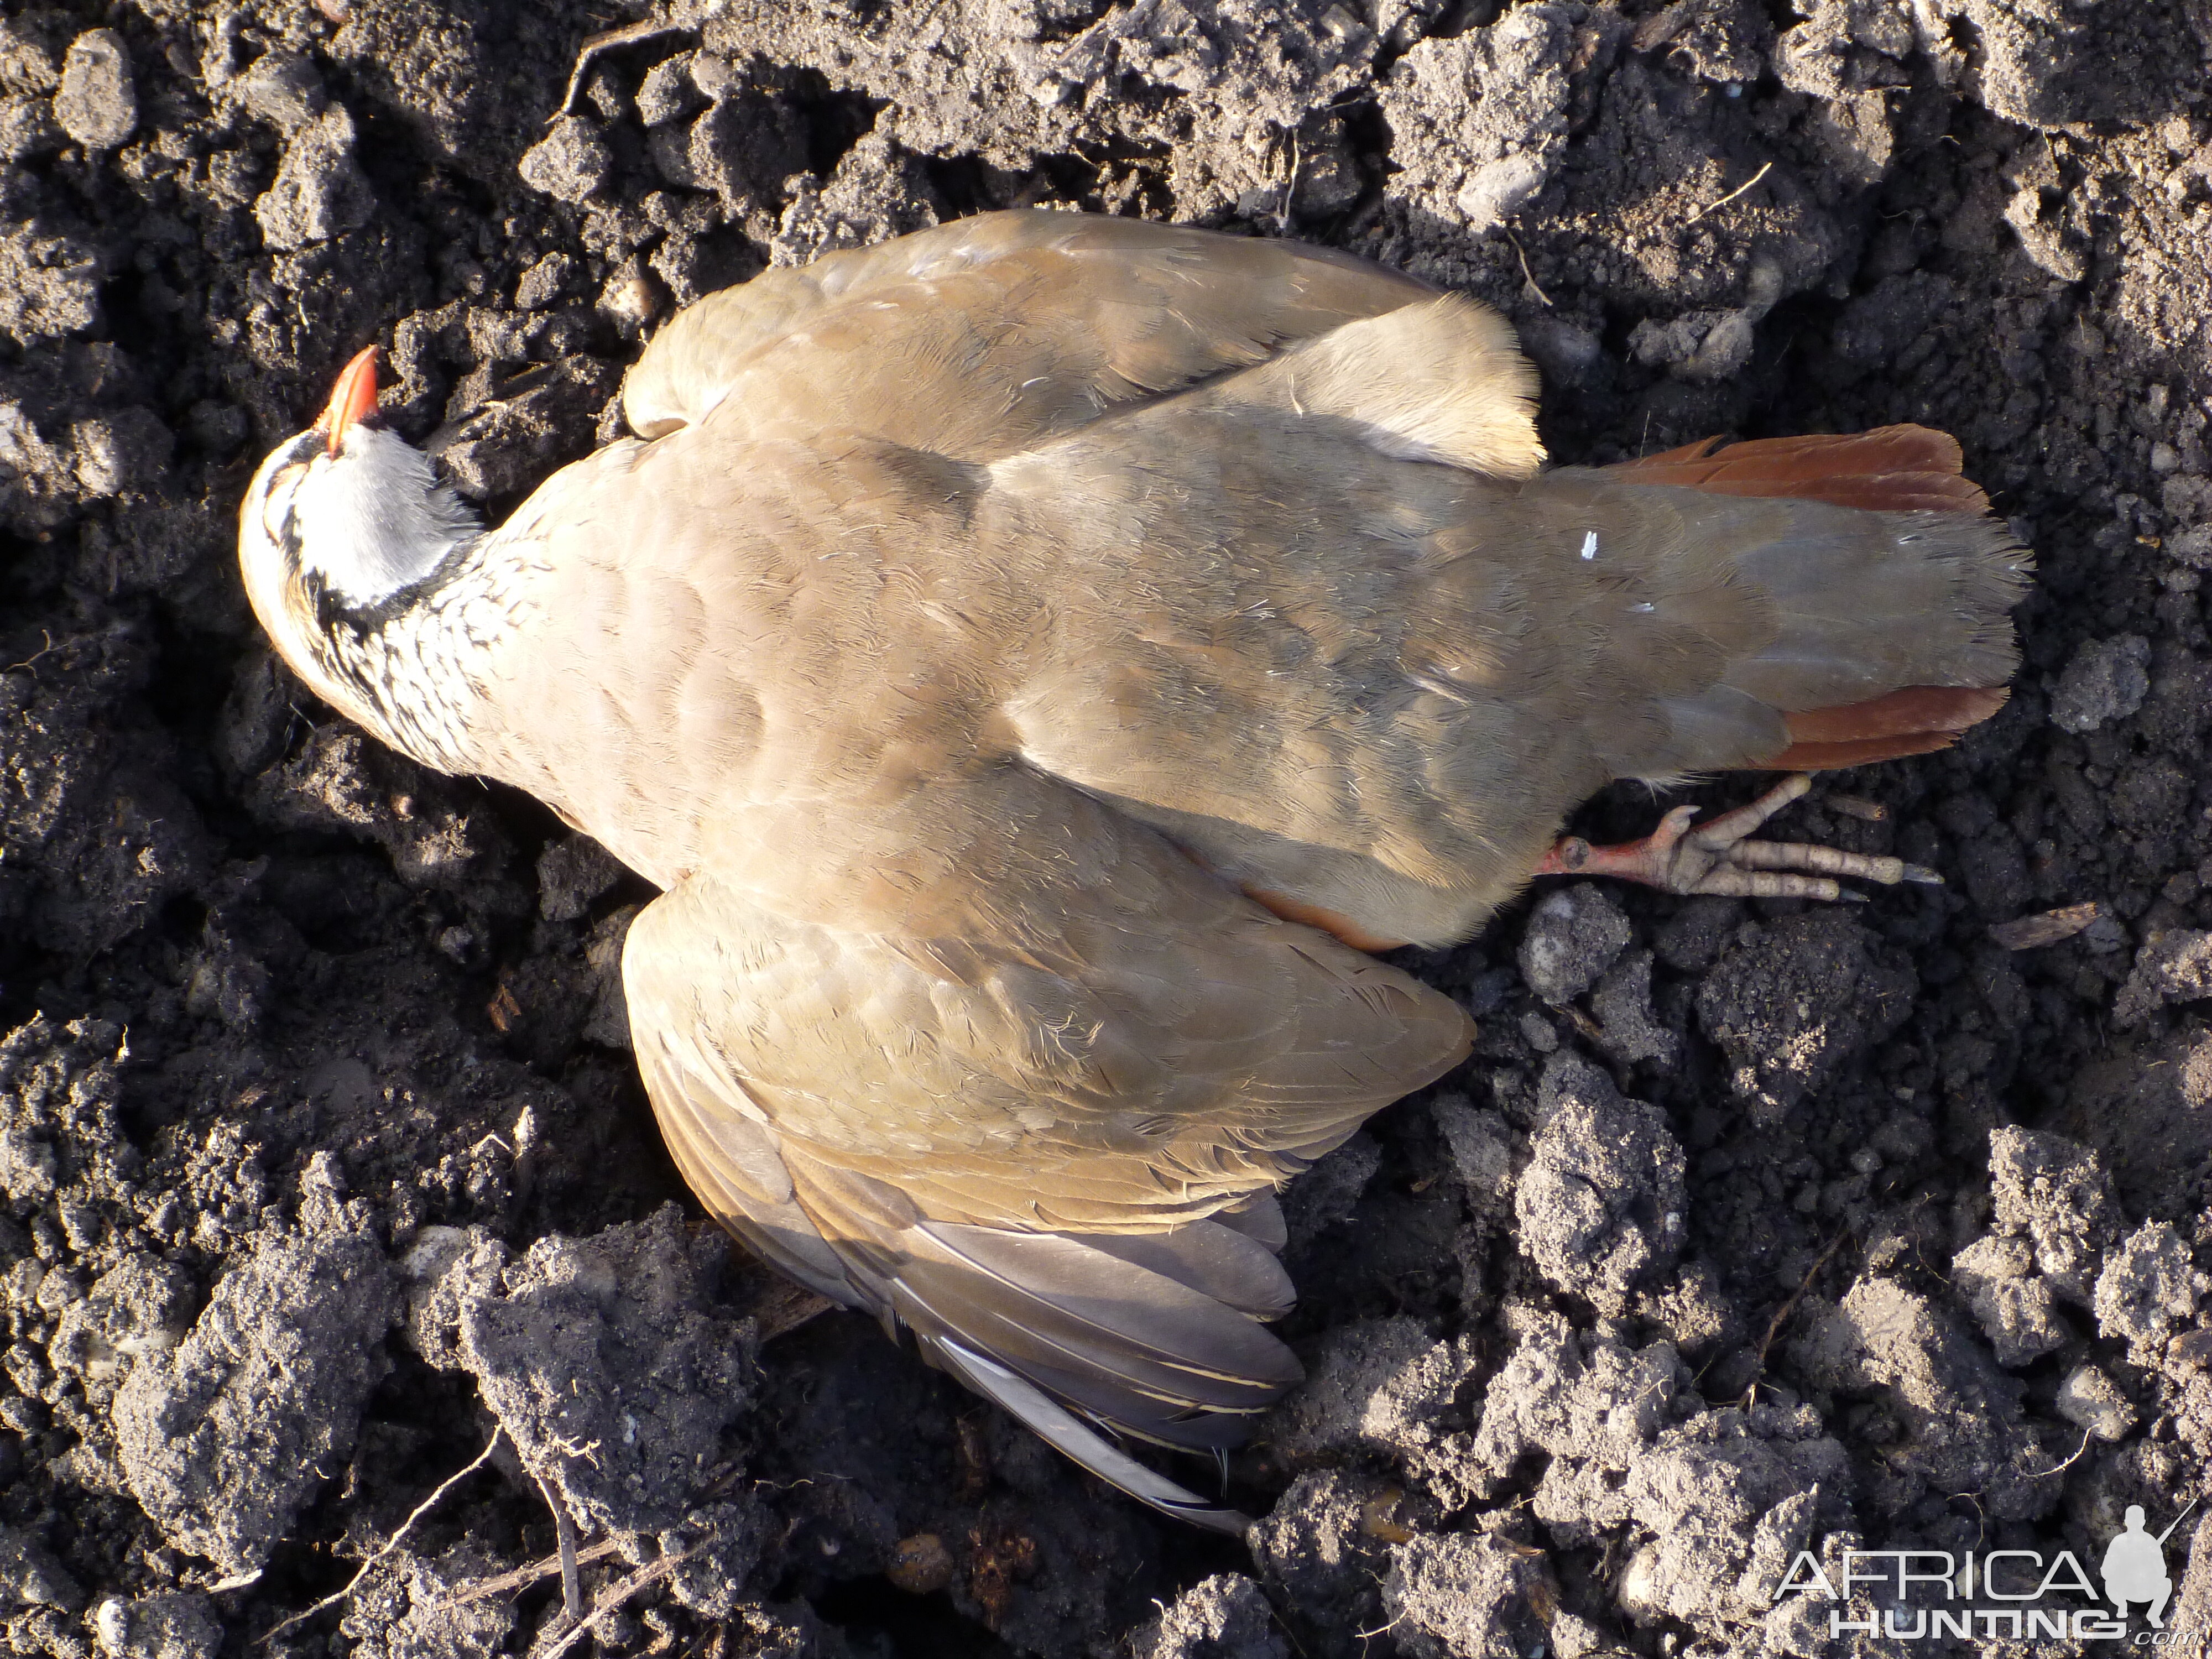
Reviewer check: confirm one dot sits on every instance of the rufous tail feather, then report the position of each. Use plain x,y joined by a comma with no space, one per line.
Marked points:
1892,469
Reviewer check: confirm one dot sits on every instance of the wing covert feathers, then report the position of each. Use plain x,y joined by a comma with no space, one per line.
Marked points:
1441,380
980,338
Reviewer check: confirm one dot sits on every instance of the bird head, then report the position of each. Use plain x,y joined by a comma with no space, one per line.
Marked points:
344,525
347,515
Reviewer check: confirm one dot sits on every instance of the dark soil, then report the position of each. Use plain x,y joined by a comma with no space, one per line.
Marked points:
1750,1229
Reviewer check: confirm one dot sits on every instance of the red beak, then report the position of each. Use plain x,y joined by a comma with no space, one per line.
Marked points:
351,399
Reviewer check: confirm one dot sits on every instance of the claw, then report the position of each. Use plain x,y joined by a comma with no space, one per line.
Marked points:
1720,858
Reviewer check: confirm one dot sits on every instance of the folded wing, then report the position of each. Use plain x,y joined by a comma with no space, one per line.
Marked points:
981,338
1043,1148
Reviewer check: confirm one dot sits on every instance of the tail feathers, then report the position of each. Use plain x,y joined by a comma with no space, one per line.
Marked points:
1076,1439
1917,721
1892,469
1890,635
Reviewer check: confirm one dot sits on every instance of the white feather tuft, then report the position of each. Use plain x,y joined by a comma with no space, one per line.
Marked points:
376,517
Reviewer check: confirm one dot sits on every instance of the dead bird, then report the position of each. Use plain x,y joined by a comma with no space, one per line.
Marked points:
1037,659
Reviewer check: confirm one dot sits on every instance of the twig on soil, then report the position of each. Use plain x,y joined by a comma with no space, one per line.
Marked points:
1774,1325
42,650
1527,276
1732,194
617,1593
523,1578
564,1529
628,35
2079,1451
393,1542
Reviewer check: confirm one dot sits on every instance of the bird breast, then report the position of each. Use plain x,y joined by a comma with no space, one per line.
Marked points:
716,631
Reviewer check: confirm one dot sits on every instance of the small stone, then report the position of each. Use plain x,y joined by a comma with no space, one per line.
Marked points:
541,285
96,104
282,89
320,191
569,163
2106,680
668,93
1497,190
2092,1402
1572,936
920,1565
120,454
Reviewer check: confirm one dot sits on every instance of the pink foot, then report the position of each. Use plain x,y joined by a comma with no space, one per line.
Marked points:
1719,859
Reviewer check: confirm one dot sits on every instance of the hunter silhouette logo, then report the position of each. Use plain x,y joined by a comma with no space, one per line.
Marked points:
2135,1567
1919,1595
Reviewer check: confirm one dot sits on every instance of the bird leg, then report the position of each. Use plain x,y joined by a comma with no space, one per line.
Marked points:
1719,858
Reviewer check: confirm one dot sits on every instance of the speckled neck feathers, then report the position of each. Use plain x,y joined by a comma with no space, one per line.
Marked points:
416,673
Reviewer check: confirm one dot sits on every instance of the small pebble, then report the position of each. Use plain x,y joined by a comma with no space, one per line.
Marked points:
920,1565
97,105
1541,1034
630,299
2106,680
569,163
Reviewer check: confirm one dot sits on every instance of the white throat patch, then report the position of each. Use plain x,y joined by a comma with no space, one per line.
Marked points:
377,517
